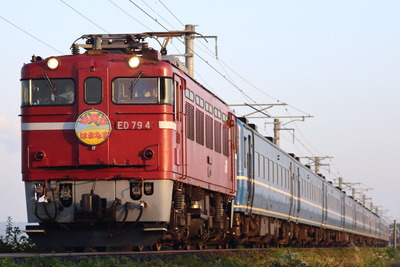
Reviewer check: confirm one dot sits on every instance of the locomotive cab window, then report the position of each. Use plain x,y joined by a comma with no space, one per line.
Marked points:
48,92
142,91
93,90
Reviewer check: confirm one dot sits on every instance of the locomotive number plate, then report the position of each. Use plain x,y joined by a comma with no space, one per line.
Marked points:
133,125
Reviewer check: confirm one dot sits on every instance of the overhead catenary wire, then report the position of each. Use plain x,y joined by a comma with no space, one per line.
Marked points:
148,15
132,17
84,16
171,13
34,37
144,2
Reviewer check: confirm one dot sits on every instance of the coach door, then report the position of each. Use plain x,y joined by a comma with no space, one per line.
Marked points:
249,161
324,203
93,126
292,185
343,210
298,187
294,204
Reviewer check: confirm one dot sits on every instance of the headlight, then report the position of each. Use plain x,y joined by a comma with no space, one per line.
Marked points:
148,154
53,63
134,62
40,155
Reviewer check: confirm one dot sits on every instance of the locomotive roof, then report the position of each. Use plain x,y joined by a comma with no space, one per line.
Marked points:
131,43
134,44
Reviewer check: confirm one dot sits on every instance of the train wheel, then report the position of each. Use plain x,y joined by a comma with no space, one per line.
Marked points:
157,246
223,246
138,248
200,246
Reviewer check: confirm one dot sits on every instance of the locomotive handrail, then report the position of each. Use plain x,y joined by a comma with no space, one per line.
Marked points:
144,113
183,134
44,114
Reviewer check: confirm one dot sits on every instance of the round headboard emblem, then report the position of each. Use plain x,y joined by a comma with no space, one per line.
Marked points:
92,127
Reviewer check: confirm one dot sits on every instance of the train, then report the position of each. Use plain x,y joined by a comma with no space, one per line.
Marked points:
121,146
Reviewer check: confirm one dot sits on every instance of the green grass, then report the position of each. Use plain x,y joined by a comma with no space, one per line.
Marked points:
287,257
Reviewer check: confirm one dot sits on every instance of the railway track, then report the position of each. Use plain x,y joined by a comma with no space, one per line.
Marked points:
124,253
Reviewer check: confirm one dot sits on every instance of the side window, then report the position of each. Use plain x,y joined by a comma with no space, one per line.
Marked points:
166,91
93,91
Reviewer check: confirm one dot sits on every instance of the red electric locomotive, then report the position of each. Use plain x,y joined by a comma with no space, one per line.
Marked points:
110,156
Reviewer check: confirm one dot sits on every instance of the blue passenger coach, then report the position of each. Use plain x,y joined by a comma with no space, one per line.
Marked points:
280,201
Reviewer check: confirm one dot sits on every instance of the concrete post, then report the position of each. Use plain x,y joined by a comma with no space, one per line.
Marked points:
189,49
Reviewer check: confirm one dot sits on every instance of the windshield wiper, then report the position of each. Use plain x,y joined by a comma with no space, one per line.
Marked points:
50,83
134,82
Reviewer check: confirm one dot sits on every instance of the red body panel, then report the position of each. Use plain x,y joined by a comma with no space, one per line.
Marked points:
163,130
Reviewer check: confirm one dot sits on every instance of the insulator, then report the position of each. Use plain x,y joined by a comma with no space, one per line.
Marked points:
75,49
179,200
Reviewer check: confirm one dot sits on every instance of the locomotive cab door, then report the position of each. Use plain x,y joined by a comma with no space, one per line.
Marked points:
93,126
180,152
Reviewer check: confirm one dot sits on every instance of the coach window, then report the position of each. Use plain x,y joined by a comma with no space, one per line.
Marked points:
48,92
93,91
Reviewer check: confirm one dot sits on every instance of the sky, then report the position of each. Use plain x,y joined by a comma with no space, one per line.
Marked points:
335,62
